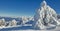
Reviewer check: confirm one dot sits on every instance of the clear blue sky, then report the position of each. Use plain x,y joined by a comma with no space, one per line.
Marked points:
24,7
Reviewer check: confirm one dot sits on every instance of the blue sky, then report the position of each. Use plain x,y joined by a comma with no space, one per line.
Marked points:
24,7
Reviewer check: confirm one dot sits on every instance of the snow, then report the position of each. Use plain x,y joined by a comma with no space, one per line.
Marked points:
13,23
45,16
45,19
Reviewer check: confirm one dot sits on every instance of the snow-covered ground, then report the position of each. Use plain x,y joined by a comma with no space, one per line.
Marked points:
56,29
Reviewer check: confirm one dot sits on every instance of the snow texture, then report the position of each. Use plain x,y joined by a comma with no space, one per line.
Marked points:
45,16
